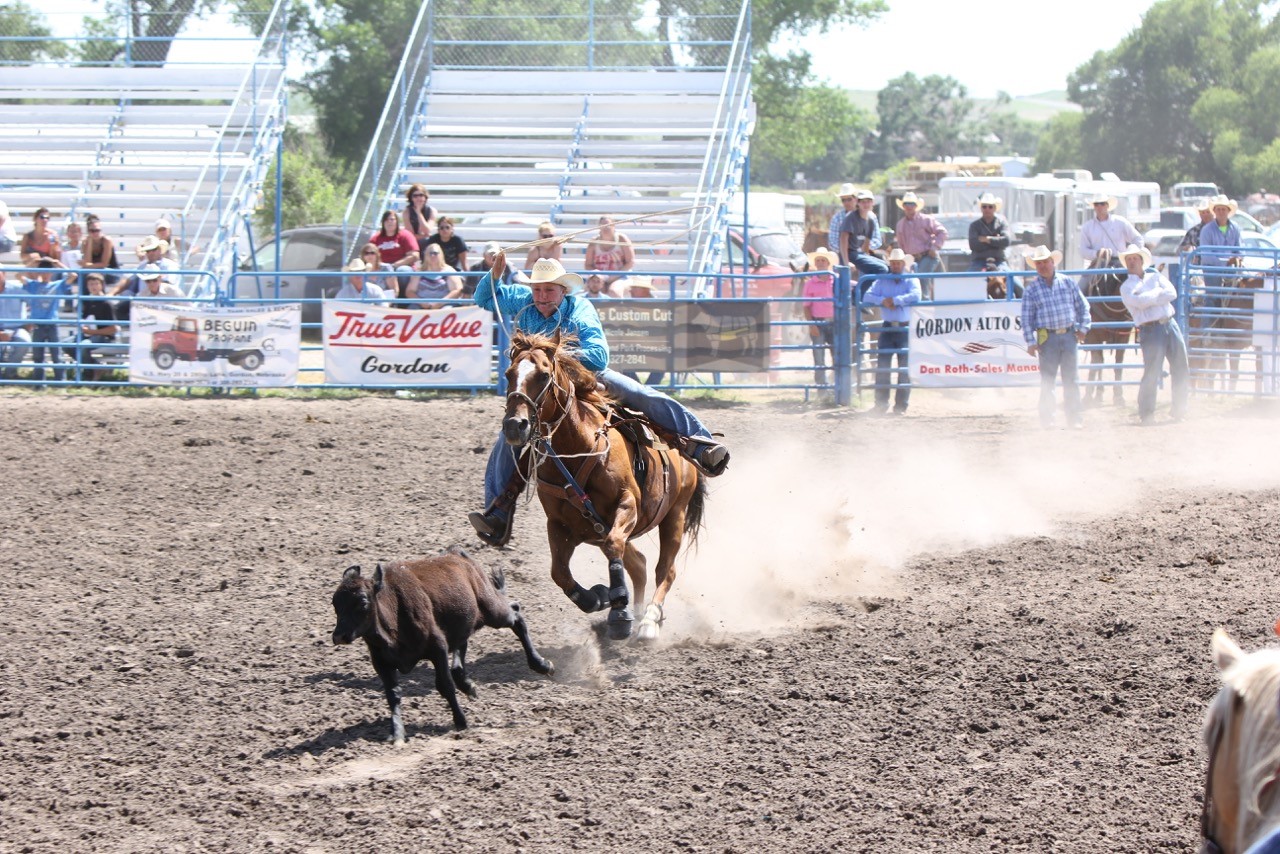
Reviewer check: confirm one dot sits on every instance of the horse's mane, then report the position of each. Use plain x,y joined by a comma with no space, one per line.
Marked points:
1252,683
561,352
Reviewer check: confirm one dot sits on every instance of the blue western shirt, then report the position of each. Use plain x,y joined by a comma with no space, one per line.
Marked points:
903,290
574,315
45,309
1053,305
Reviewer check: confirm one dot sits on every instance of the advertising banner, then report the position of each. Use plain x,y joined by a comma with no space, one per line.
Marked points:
371,345
695,335
970,345
226,347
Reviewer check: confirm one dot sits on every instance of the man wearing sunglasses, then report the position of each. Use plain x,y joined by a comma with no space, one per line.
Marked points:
988,236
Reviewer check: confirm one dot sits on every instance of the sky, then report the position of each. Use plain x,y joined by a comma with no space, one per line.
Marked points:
1023,47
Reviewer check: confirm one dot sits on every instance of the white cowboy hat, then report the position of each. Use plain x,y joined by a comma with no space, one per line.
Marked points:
989,199
630,284
549,270
846,190
356,266
832,258
1221,201
1206,204
896,254
1134,249
909,199
1042,253
866,194
1104,199
152,242
149,272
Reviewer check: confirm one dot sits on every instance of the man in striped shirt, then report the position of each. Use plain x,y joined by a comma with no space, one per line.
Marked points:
1055,320
848,201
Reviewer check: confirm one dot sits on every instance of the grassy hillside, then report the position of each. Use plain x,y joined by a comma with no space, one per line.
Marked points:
1039,107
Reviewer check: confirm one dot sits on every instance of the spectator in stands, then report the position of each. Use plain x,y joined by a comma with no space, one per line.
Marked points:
1191,240
1055,321
484,265
153,249
72,236
393,242
372,258
435,283
419,217
41,241
820,311
155,283
1105,231
15,337
98,251
43,290
848,196
988,236
8,234
895,296
164,233
97,323
455,248
610,251
860,237
920,236
357,288
595,287
550,249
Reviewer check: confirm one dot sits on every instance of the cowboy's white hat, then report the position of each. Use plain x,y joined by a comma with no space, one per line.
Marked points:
832,258
896,254
356,266
865,194
149,272
847,189
1042,253
909,199
989,199
152,242
1206,204
1104,199
549,270
1221,201
1135,249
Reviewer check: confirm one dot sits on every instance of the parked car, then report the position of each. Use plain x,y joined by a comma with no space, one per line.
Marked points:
1184,218
312,247
1189,192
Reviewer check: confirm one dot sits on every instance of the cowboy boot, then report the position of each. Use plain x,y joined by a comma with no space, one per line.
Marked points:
494,525
711,457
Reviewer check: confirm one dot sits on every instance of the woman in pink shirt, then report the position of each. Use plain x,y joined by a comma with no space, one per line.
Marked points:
393,242
819,309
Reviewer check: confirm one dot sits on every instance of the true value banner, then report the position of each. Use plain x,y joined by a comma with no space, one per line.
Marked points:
227,347
970,345
371,345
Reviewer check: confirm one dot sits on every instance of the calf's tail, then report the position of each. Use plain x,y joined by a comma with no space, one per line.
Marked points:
499,579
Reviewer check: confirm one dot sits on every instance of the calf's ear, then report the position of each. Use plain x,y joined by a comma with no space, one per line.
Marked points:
378,577
352,572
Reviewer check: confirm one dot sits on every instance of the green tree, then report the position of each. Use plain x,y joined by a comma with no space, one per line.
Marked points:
315,186
920,118
25,24
802,126
1060,145
152,24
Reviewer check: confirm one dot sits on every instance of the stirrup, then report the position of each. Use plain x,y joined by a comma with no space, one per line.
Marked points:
708,455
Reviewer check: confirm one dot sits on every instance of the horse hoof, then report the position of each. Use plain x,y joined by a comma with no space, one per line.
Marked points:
648,631
620,624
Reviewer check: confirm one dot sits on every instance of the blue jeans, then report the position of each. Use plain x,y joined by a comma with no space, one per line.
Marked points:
927,264
45,337
662,410
892,338
13,351
824,340
1059,353
1161,342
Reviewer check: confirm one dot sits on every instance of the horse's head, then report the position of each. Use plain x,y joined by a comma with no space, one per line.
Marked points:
1242,734
997,288
531,381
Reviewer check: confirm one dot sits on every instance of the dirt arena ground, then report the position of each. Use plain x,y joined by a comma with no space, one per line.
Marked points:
951,632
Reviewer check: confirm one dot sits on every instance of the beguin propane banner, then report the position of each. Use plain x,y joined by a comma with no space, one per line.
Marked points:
970,345
227,347
367,344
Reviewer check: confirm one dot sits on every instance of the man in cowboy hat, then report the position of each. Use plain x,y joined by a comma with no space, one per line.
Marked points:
920,236
1220,232
988,236
359,288
543,307
1191,239
895,297
860,236
1055,320
848,195
1149,297
1105,231
152,249
820,310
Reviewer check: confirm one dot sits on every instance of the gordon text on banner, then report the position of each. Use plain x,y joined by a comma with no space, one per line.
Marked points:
227,347
970,345
371,345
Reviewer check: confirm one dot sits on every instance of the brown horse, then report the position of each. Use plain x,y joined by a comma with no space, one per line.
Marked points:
1223,329
1242,734
598,486
1105,306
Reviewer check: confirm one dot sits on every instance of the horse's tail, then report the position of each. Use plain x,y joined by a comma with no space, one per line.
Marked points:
693,513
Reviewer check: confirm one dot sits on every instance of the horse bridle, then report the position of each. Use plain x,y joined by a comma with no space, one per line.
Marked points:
535,408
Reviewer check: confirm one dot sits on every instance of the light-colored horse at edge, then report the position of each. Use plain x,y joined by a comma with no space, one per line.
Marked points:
1242,734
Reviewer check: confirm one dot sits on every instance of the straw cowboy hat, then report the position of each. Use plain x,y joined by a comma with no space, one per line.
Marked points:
1135,249
846,190
1221,201
909,199
356,266
152,242
1042,253
866,194
989,199
896,254
832,258
1104,199
149,272
1206,204
550,271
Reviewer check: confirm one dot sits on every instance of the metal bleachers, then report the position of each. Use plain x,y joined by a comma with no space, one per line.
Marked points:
131,143
502,147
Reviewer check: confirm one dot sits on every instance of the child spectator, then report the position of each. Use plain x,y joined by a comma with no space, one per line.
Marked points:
97,323
820,311
455,248
42,311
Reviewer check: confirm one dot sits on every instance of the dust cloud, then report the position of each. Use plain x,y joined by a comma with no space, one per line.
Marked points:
837,519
